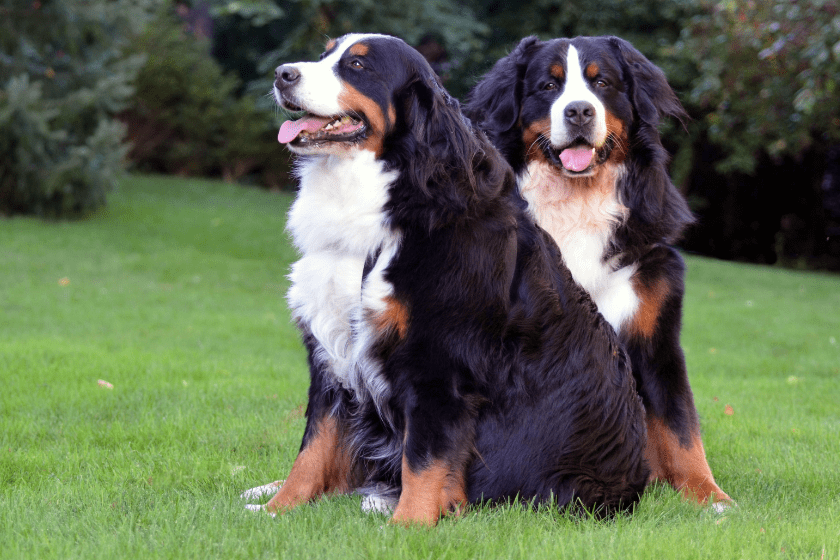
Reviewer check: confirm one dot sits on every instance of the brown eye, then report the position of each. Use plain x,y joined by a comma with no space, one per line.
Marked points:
549,86
601,83
356,64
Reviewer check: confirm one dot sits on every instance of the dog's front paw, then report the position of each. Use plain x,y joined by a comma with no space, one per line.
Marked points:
724,506
378,503
379,498
258,507
259,493
264,491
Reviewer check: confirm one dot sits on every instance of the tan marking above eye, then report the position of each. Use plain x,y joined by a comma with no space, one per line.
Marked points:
557,71
592,70
359,49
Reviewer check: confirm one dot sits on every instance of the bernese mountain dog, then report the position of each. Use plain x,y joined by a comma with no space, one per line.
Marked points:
453,360
577,119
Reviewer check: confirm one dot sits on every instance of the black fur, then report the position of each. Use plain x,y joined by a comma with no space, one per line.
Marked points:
510,97
506,370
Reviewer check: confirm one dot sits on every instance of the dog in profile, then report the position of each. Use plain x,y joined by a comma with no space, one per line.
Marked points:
577,119
453,359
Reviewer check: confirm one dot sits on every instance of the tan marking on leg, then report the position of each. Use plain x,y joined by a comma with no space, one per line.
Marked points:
651,300
686,469
323,466
394,318
427,494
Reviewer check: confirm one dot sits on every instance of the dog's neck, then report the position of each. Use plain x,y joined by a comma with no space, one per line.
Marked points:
581,216
563,205
340,206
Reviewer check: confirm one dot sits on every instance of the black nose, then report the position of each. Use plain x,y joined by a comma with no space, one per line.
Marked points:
285,76
579,113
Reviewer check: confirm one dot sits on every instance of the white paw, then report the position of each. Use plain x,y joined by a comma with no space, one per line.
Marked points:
260,493
376,503
257,507
264,491
723,507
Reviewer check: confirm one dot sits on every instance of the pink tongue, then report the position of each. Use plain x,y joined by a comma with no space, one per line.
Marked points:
577,159
289,130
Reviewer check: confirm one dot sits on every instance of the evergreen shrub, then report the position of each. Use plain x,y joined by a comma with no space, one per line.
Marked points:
64,75
188,117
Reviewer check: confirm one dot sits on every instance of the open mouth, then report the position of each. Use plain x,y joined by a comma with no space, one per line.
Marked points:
311,130
578,158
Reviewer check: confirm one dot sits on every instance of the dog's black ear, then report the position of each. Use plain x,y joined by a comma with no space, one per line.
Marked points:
495,102
439,141
650,92
658,210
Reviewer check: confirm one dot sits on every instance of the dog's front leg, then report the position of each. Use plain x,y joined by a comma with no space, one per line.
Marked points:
324,465
435,457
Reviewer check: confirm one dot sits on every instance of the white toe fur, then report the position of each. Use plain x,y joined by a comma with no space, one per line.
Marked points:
381,504
264,491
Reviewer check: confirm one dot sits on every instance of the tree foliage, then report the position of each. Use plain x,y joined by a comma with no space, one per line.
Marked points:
297,30
768,77
63,78
760,160
187,116
764,94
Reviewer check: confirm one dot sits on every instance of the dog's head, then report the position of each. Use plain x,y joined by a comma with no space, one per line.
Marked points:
376,93
353,97
573,103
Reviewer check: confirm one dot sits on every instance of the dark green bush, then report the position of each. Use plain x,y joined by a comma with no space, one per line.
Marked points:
186,117
63,76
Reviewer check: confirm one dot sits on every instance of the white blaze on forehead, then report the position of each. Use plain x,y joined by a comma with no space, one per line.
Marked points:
319,88
576,88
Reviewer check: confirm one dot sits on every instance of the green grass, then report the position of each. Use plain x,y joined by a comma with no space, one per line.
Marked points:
175,296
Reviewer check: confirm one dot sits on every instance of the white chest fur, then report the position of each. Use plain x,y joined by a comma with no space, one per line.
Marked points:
581,216
336,222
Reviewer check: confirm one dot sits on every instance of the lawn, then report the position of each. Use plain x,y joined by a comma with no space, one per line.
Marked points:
174,297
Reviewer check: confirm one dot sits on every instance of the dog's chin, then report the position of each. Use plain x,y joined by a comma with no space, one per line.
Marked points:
588,172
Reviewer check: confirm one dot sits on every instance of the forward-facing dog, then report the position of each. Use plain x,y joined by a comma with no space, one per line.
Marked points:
577,119
453,359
